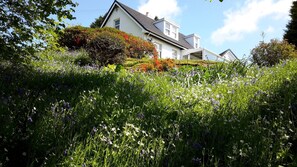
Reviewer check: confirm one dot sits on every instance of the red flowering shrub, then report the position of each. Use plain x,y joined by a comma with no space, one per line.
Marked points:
77,37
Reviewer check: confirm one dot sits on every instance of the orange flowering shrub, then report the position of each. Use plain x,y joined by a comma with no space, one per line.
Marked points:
167,64
146,67
157,65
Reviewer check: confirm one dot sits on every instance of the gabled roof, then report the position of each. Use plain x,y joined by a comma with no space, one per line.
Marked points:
222,54
148,24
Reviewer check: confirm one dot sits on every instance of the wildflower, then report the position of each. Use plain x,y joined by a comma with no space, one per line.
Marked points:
215,103
30,120
142,153
140,115
94,130
196,161
65,152
66,105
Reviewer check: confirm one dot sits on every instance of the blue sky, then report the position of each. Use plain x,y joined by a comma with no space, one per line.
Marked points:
237,25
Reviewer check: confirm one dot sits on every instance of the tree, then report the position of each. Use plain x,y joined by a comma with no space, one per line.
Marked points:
291,32
269,54
98,22
24,25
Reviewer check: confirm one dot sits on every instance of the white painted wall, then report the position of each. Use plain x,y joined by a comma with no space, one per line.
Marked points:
126,23
207,55
167,49
229,56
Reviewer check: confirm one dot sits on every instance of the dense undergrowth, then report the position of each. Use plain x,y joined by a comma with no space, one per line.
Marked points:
56,113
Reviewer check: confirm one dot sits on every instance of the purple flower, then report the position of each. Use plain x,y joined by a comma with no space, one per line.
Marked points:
196,161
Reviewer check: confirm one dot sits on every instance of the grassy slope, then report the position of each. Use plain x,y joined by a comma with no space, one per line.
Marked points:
57,113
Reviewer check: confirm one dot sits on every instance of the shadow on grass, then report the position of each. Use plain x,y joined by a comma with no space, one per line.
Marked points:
39,120
29,98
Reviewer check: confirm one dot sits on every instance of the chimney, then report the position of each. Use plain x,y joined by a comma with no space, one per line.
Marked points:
147,13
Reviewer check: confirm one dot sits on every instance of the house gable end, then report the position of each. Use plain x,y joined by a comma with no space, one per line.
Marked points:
127,23
147,26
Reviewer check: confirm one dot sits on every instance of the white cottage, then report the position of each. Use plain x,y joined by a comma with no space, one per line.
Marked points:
164,34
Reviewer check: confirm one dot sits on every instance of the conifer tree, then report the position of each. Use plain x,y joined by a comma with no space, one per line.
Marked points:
291,32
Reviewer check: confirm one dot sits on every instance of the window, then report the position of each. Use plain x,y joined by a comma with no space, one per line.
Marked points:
174,31
174,54
159,49
167,29
117,23
196,42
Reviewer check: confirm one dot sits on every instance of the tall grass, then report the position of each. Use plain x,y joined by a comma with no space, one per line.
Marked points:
60,114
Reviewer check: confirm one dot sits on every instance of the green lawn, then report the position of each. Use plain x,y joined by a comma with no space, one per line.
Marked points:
56,113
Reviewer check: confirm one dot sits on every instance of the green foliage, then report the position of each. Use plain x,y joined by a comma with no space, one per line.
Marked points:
98,22
291,32
83,59
107,48
57,113
269,54
23,24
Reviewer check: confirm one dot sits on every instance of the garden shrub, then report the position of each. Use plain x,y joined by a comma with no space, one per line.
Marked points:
83,60
269,54
74,37
77,37
167,64
146,67
107,48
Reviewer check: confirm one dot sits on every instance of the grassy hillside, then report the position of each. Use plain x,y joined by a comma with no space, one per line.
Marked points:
56,113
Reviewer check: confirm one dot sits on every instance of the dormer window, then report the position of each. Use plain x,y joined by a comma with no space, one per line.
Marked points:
193,40
117,23
196,42
171,30
174,32
167,29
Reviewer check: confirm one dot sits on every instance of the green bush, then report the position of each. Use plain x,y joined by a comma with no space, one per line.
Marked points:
269,54
107,48
83,60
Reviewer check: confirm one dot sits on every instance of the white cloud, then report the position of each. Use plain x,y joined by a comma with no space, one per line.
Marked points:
160,8
238,23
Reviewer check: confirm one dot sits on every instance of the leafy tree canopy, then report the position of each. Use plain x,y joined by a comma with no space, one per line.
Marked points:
98,22
269,54
24,24
291,32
